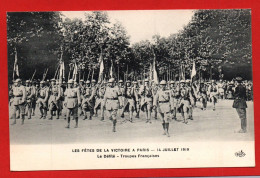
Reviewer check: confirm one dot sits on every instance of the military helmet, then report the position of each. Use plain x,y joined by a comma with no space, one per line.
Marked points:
182,81
239,78
18,80
42,82
146,80
163,82
81,80
112,80
87,82
70,81
134,82
120,81
53,80
93,81
187,81
171,82
27,81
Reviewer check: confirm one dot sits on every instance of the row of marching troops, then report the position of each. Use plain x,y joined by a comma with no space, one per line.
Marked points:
85,98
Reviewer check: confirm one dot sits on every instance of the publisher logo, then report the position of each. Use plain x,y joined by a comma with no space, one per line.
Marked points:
240,154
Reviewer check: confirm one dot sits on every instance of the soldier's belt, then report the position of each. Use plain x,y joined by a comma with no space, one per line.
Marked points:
163,101
72,97
112,98
18,95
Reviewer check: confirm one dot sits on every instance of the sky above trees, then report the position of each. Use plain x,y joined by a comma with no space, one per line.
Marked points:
142,25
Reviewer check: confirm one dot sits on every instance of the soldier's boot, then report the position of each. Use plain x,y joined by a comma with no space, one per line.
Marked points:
45,114
164,131
77,120
114,125
58,114
14,117
167,129
244,125
85,117
68,125
29,113
41,112
122,115
102,118
51,115
22,120
137,115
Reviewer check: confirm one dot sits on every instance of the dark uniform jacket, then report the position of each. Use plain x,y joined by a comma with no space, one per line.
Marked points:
240,97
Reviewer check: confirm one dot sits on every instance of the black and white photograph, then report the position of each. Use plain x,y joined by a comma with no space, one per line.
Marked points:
130,89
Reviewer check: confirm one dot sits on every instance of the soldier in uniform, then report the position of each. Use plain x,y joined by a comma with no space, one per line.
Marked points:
19,94
240,104
100,100
112,101
137,102
213,91
82,93
146,100
162,102
35,88
72,102
88,100
29,96
54,101
175,92
130,99
122,89
184,102
155,88
42,100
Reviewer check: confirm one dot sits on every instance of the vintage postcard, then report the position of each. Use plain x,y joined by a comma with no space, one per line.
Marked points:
130,89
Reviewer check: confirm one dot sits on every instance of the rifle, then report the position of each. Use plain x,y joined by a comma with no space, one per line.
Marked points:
45,74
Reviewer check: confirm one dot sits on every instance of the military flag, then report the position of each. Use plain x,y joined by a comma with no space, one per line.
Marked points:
193,71
101,68
155,75
16,70
75,72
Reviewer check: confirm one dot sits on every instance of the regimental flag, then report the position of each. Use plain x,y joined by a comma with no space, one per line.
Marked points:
111,70
75,72
16,70
62,71
193,71
101,68
151,72
182,72
155,76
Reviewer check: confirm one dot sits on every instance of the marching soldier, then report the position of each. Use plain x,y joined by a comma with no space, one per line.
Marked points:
175,93
240,104
82,93
35,87
88,100
112,101
137,102
19,94
146,100
100,100
42,100
162,102
122,89
155,89
29,96
72,102
213,91
184,102
130,99
54,101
